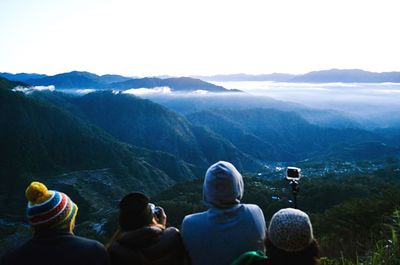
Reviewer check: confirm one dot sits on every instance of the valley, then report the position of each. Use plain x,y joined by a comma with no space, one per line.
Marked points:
101,144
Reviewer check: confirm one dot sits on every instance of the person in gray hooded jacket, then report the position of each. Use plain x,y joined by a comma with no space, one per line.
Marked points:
228,228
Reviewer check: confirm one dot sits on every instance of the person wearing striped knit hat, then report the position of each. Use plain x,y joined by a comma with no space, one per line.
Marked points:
52,214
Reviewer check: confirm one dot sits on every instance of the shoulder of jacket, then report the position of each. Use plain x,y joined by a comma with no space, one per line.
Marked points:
255,211
194,217
15,253
253,207
91,243
171,230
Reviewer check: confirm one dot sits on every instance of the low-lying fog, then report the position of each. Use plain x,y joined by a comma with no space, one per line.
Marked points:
323,95
361,100
368,106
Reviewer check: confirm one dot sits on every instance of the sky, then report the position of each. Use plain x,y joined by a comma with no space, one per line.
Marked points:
202,37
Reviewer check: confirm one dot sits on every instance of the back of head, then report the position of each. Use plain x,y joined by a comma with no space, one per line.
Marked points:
135,211
49,209
223,185
290,238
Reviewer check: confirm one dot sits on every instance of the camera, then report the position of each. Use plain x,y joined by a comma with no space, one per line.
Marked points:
293,177
155,210
293,173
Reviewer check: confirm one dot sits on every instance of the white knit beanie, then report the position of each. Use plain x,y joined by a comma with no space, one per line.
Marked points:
290,230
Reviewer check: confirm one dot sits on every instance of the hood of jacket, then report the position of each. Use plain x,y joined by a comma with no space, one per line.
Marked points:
223,186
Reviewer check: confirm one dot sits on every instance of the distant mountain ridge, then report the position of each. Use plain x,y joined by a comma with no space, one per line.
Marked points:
347,76
21,76
323,76
279,77
86,80
175,83
83,80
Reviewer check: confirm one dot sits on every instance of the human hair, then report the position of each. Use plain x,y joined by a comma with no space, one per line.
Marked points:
306,256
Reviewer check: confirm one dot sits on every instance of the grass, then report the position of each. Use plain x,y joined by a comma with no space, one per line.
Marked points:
385,251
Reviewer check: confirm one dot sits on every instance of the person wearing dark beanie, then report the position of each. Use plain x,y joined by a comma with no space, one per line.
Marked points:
135,211
142,237
51,215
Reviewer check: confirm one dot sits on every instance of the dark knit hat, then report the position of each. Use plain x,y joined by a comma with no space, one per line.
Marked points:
134,211
49,209
290,230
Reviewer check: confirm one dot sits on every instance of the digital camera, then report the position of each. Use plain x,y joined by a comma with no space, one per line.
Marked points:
293,173
155,210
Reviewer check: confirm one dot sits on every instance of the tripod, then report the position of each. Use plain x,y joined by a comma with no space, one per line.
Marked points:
294,183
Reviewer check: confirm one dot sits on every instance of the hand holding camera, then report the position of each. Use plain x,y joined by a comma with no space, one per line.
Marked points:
159,214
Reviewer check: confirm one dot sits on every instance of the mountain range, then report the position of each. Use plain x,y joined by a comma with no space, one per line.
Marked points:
99,146
273,135
86,80
40,140
146,124
323,76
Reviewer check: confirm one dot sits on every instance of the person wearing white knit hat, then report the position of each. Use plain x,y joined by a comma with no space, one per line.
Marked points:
290,239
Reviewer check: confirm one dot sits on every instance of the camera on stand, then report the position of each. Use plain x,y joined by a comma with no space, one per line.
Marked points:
293,176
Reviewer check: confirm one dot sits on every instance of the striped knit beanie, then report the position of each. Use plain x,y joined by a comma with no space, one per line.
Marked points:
49,209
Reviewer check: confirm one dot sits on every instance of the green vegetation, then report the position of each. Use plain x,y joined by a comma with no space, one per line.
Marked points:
146,124
83,146
274,135
385,251
352,216
7,84
39,140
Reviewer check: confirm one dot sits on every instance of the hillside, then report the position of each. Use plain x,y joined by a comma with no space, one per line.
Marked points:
144,123
141,122
40,140
241,101
8,84
249,135
274,135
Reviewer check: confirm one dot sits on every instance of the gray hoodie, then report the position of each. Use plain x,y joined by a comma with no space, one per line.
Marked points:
228,228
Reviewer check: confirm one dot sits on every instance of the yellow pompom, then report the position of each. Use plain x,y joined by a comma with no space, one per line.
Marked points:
37,193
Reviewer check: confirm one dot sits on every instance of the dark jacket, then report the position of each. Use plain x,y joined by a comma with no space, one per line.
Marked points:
58,247
148,245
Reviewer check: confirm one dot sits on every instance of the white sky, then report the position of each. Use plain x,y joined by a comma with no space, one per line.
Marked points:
204,37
